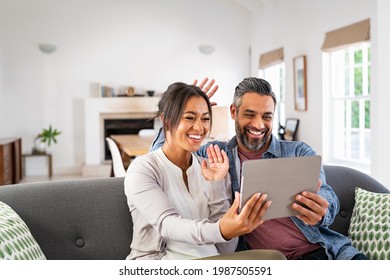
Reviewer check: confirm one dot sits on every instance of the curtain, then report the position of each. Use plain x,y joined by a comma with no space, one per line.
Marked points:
351,34
271,58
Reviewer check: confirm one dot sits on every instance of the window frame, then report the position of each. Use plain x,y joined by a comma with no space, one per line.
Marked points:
279,88
334,80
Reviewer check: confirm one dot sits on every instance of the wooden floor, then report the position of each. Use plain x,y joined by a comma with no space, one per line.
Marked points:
104,171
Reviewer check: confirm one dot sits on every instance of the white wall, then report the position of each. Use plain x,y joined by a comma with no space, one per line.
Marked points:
149,44
1,73
380,89
300,26
142,43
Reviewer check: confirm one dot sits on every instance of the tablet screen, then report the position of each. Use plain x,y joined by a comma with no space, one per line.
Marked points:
281,179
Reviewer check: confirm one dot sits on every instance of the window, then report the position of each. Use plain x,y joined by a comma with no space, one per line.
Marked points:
349,103
275,75
272,69
347,96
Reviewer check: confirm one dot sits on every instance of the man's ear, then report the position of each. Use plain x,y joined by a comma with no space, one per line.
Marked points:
233,111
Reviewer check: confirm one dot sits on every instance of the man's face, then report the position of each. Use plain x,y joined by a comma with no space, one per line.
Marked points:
253,122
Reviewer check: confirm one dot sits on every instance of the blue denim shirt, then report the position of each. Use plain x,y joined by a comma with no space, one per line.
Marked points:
337,245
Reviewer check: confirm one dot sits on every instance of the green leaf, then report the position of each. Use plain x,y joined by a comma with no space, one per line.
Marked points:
49,135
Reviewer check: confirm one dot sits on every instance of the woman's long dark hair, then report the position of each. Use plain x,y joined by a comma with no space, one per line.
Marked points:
173,100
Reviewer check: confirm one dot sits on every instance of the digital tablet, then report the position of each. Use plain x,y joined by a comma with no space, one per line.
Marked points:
281,179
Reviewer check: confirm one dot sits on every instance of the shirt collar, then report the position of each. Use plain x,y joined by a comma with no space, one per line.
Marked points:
274,148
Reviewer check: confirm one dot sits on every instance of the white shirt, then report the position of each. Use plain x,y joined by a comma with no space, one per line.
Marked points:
171,222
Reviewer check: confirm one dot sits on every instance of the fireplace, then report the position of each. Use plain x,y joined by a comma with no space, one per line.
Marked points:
123,126
135,109
97,110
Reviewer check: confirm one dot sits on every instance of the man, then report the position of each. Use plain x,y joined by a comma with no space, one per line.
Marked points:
307,235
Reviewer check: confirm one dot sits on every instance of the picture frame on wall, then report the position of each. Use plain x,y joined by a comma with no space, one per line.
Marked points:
300,87
290,129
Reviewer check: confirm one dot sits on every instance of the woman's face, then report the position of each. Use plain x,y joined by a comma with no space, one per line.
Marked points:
194,125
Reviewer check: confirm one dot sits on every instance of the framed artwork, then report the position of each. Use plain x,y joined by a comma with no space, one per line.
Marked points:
300,89
290,129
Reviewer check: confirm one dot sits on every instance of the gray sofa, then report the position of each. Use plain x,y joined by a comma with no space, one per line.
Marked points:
89,218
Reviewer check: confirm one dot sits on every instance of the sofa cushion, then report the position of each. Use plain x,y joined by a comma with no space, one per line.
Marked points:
370,224
81,219
343,180
16,240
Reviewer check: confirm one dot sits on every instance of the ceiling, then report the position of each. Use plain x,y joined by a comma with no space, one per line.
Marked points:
255,6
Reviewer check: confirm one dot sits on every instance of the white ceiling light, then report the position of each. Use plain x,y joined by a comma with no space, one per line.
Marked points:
47,48
206,49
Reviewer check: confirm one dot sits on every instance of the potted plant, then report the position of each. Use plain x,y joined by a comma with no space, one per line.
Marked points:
45,138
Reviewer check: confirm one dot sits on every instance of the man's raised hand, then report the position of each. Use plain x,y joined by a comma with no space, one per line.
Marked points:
208,87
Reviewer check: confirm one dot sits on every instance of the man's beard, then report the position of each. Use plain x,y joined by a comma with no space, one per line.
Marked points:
255,144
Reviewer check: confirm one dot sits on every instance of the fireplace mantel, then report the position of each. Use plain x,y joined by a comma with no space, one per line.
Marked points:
95,107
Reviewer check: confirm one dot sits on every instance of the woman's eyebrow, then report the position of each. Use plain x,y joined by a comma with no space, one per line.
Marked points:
194,113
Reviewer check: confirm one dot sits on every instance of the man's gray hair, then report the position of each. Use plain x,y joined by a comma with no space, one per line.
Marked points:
252,84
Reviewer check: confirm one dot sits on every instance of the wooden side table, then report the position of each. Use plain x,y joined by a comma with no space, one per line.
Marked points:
49,162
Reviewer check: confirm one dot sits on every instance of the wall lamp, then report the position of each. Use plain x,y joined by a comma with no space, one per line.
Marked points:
206,49
47,48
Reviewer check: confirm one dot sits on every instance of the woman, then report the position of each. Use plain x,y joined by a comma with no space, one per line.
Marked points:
180,203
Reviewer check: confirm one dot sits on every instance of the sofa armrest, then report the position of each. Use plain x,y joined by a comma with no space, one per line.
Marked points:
344,180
